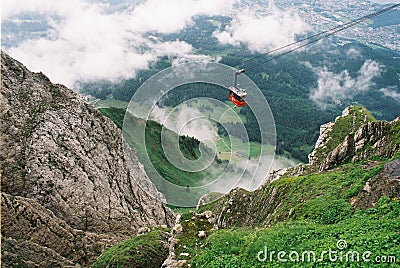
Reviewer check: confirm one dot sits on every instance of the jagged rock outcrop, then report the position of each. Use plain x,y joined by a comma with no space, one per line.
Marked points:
371,139
333,133
355,135
385,183
60,155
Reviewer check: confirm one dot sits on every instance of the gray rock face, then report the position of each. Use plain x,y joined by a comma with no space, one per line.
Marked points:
385,183
28,254
33,236
62,154
371,139
323,138
353,136
340,154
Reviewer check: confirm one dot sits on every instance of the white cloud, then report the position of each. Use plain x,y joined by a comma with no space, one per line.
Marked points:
91,40
334,88
391,94
173,15
185,120
262,32
171,49
88,42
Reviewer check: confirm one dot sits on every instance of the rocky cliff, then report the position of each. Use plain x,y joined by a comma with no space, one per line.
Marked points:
68,189
355,135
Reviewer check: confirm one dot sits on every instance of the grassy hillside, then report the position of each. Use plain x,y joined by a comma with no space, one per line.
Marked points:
322,219
189,148
146,250
311,212
375,230
307,213
115,114
323,198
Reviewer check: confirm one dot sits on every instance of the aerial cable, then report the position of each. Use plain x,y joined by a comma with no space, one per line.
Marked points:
313,39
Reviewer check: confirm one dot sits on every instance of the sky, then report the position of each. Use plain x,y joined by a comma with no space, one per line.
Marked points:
95,40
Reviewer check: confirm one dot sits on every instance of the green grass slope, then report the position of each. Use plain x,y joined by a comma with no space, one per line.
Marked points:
301,214
323,198
375,230
146,250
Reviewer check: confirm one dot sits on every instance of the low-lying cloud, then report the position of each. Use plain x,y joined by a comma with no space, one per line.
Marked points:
186,121
262,32
391,93
334,88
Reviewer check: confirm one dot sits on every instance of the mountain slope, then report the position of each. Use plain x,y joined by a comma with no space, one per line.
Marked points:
368,239
63,161
328,182
308,209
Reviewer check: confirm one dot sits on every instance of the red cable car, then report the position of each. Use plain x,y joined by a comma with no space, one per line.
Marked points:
237,95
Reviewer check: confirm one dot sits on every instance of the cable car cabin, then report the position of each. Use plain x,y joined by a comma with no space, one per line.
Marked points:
238,97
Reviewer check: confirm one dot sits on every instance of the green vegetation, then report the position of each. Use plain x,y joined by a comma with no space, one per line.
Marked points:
146,250
375,230
115,114
189,148
321,197
396,132
189,242
321,216
306,213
